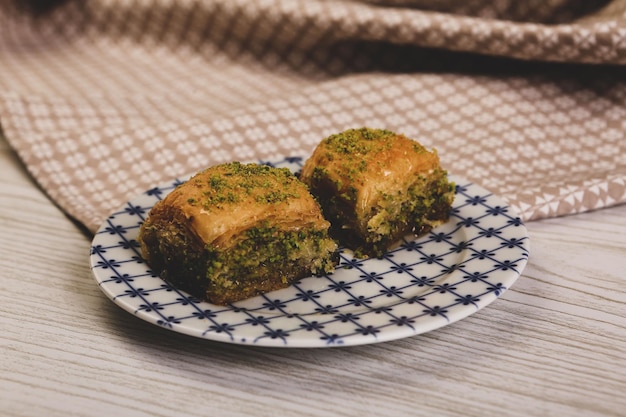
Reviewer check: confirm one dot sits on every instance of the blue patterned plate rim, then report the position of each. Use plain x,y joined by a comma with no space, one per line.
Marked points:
420,285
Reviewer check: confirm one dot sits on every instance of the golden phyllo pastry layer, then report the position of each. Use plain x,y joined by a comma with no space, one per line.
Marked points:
235,231
376,186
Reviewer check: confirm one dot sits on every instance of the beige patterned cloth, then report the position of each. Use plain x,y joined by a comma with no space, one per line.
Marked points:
104,99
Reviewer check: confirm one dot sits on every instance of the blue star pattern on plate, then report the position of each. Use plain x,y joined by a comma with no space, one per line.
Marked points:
419,285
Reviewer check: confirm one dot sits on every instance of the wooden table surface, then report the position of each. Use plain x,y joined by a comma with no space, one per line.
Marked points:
553,345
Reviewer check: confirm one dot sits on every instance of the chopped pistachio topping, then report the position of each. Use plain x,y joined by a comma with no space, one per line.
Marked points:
235,182
355,147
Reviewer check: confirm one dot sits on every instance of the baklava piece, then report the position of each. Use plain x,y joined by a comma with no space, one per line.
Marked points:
235,231
376,186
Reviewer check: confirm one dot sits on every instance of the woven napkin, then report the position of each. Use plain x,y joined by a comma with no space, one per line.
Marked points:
105,99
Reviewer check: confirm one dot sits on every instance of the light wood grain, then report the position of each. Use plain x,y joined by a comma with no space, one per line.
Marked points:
553,345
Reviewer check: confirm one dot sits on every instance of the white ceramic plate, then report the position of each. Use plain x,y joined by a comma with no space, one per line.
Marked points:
423,284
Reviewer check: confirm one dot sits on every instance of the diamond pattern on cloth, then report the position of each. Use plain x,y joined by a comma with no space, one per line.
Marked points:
105,99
